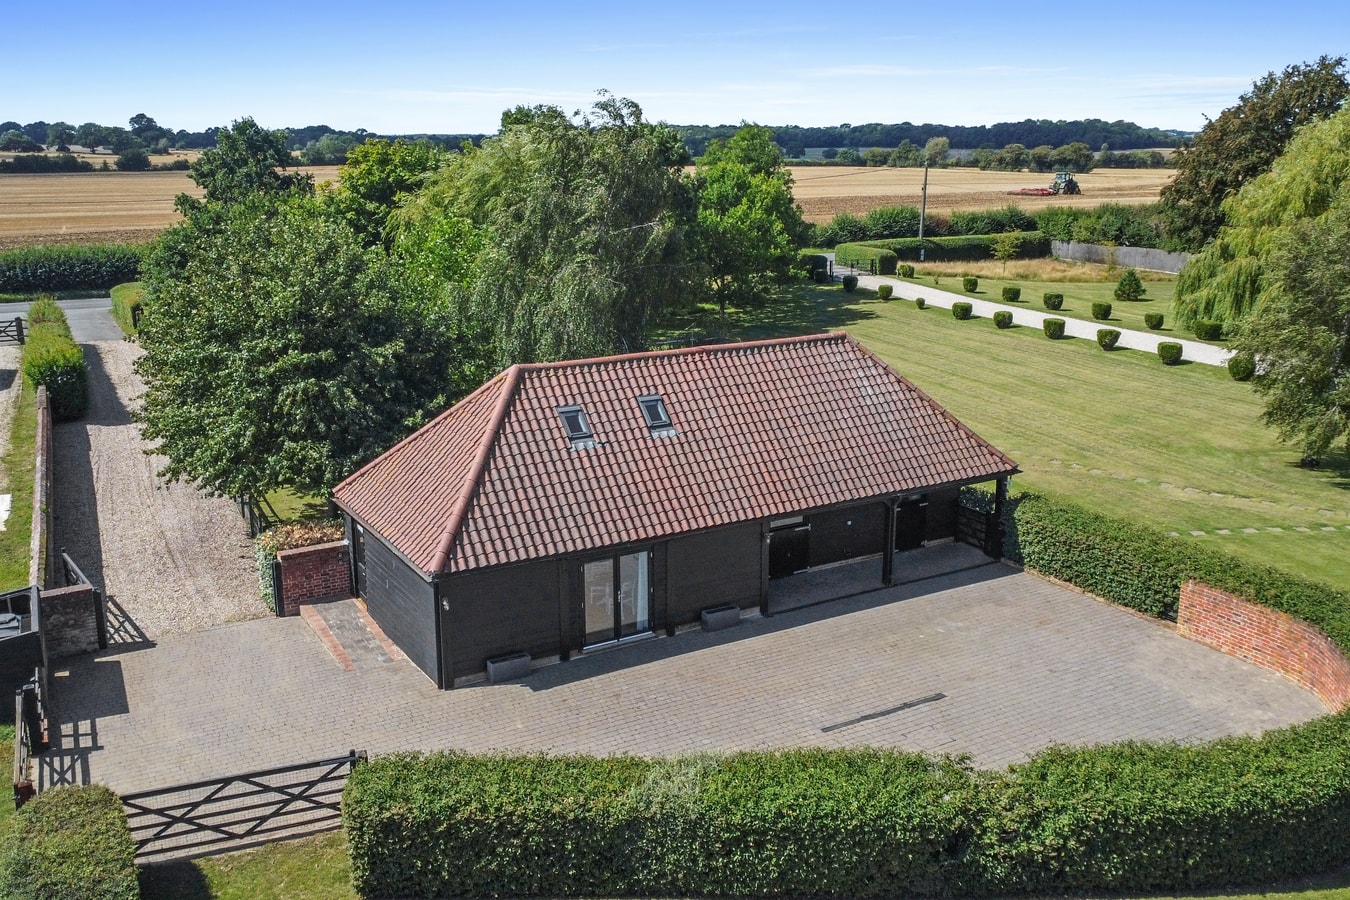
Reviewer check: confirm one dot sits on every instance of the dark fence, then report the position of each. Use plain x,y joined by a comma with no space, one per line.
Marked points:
30,738
256,515
979,529
11,331
225,814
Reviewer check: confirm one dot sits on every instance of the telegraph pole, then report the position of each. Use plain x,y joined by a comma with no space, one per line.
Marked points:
923,205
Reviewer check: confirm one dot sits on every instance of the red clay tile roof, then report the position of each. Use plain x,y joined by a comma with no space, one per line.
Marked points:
762,429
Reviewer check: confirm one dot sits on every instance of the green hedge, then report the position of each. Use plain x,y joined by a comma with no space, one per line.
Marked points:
1101,311
1034,245
126,300
1011,294
77,267
1107,338
1242,366
70,842
961,310
1169,352
50,357
970,284
1053,328
1052,300
1003,319
865,257
1154,321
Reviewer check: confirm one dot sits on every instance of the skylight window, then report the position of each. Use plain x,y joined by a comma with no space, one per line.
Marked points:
656,416
577,426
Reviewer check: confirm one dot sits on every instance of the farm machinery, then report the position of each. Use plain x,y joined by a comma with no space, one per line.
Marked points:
1064,183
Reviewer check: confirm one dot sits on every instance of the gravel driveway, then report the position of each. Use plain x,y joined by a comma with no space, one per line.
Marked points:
169,559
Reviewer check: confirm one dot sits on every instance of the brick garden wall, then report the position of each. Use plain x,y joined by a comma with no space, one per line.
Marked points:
70,620
313,573
1266,637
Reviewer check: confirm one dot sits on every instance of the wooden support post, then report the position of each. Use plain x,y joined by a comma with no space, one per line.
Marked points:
996,526
888,545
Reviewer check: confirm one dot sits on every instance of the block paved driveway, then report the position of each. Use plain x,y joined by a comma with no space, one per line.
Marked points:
992,662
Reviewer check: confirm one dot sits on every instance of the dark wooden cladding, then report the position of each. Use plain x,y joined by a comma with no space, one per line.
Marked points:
402,602
711,569
847,533
499,611
942,513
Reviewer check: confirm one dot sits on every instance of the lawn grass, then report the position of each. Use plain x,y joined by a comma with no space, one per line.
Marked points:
1180,448
16,479
288,505
1078,300
314,868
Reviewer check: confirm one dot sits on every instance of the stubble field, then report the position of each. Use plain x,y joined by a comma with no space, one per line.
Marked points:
86,207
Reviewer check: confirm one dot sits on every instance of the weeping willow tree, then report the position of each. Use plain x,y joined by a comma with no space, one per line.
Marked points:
1226,281
583,226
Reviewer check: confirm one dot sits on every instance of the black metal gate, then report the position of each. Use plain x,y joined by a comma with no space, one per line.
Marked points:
225,814
11,331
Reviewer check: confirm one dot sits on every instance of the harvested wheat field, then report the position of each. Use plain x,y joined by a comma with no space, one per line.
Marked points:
826,191
95,207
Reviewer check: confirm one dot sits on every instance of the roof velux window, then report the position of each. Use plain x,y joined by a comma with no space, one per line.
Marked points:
577,426
656,416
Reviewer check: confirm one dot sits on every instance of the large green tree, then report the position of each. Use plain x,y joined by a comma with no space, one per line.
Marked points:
585,226
1243,142
281,351
1300,334
1224,282
749,226
377,175
247,160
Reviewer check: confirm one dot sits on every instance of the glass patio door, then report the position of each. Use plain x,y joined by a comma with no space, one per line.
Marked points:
616,597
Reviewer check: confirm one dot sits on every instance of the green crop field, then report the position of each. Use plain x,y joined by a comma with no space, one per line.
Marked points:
1179,448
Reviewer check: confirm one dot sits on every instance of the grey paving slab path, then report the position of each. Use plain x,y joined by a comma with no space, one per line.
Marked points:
1195,351
1004,663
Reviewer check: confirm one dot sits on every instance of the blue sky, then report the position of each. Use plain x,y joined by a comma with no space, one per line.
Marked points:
452,67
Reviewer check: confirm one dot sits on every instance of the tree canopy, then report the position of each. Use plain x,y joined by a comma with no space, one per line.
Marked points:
1224,281
280,351
377,175
246,160
1243,142
585,225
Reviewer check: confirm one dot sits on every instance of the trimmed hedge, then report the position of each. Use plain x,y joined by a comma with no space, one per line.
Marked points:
877,260
906,270
1122,818
1208,330
1169,352
850,283
884,291
1012,294
1052,300
1034,245
1241,366
920,303
814,264
969,283
961,310
70,842
1003,319
1053,328
77,267
127,300
51,357
1154,321
1107,338
1101,311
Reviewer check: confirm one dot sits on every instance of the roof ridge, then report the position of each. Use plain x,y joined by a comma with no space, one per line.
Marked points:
468,487
687,351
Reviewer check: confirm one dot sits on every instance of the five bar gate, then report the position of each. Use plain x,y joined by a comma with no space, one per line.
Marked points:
225,814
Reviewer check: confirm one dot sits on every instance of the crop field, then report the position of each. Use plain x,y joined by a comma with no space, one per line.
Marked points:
95,207
826,191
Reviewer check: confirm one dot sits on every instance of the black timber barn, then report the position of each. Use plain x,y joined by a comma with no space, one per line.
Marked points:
567,507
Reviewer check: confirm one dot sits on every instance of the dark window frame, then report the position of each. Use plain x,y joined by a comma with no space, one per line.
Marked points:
651,405
584,434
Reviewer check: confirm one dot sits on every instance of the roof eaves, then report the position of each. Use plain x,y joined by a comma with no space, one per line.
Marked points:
469,486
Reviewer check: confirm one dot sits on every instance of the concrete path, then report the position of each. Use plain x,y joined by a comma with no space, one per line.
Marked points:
991,662
90,318
1195,351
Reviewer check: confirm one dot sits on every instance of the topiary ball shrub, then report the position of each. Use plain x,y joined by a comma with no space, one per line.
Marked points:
906,271
820,276
1107,337
1003,319
1129,287
1169,352
1207,330
1101,311
969,283
1054,328
1153,320
884,291
1052,300
920,303
1013,294
850,283
1241,366
961,310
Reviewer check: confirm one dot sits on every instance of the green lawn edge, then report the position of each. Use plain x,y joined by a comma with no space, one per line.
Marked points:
17,471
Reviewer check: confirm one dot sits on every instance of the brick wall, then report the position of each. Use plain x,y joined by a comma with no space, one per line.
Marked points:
70,620
1266,637
313,573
